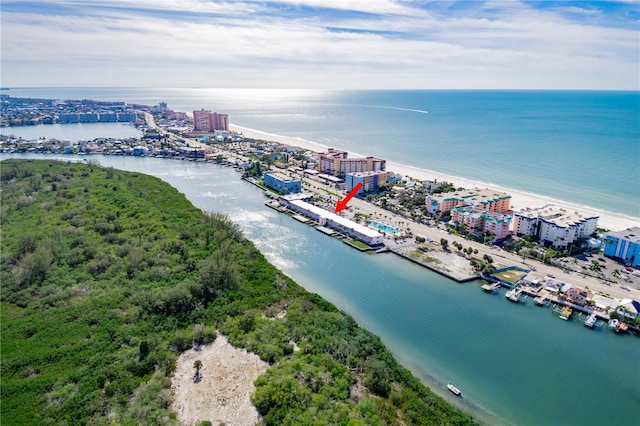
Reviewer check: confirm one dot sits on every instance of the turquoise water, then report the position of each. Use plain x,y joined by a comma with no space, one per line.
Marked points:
514,363
388,229
579,146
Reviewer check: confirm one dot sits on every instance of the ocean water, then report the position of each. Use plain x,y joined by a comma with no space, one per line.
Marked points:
515,364
578,146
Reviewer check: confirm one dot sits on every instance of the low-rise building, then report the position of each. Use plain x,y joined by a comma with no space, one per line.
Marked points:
556,226
281,183
577,296
629,309
480,222
484,199
331,220
624,245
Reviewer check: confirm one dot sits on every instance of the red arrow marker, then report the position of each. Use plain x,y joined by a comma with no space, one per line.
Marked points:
342,204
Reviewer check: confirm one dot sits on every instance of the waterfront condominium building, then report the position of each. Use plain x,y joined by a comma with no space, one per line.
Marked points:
206,121
370,181
281,183
331,220
624,245
337,163
483,199
554,225
480,222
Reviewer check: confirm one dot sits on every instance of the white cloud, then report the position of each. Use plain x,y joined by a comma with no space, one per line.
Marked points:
224,44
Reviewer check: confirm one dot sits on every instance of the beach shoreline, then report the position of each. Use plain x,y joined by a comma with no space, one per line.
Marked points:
521,200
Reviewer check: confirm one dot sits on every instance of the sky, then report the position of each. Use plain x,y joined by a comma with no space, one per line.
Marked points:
326,44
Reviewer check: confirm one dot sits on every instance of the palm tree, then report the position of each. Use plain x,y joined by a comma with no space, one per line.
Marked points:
197,365
616,273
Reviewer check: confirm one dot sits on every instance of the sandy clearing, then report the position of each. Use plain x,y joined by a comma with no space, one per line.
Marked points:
222,394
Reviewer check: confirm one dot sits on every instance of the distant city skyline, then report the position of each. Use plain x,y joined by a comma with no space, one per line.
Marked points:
325,44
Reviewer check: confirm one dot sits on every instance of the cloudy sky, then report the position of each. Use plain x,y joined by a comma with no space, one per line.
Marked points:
358,44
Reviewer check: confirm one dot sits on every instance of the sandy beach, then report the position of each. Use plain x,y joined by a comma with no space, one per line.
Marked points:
521,200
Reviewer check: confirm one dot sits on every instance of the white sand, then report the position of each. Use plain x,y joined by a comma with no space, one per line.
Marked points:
222,394
520,199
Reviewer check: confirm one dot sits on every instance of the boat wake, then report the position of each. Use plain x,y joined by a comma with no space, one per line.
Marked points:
419,111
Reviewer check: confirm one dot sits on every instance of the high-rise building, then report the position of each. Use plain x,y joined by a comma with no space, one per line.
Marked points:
206,121
335,162
202,121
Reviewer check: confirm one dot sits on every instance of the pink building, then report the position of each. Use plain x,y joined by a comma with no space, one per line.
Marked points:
206,121
478,222
484,199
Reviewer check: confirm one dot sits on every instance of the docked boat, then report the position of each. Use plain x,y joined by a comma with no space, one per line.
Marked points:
515,295
566,313
454,389
591,321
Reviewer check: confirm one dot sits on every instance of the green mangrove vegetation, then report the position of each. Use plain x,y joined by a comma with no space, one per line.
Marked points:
107,276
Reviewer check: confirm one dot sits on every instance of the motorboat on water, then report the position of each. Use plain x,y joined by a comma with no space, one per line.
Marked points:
454,389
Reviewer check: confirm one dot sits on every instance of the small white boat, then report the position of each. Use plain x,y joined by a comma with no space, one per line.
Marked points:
454,389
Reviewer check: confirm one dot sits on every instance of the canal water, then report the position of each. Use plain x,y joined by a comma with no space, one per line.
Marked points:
515,364
74,131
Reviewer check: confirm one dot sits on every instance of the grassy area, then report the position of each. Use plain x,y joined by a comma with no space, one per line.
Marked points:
510,275
107,276
266,188
358,244
423,257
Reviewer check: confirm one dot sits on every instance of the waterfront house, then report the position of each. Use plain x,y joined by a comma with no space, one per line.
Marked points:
576,296
629,309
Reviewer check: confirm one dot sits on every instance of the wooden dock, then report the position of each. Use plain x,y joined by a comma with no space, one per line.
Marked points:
490,288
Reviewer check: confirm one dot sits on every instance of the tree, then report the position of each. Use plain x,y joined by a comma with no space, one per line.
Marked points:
615,273
444,243
197,365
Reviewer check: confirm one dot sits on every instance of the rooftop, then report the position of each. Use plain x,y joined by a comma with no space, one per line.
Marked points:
631,234
559,217
472,196
337,219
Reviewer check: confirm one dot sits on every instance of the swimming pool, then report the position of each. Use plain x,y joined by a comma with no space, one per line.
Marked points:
382,227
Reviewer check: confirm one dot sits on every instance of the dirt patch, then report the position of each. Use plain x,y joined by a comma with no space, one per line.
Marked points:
222,393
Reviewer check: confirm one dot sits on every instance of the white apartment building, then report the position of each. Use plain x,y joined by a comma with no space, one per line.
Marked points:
556,226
